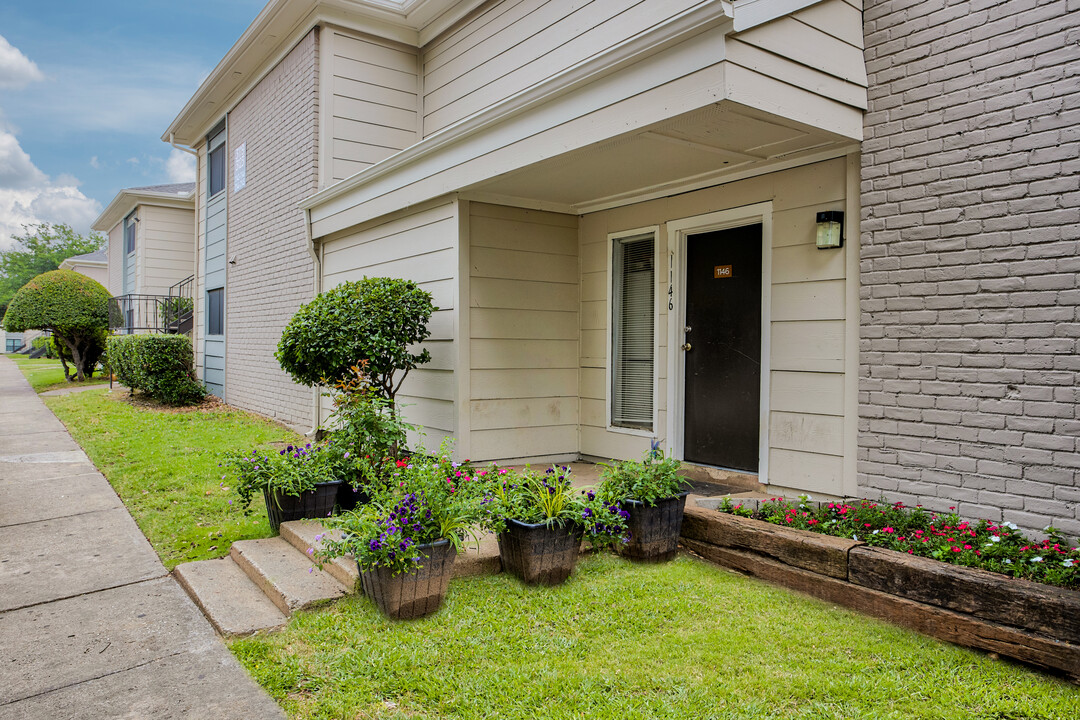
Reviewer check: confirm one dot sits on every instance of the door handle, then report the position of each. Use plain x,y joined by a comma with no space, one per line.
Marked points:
686,347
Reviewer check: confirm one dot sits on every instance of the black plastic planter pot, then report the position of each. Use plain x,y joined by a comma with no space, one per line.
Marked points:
654,529
413,594
349,497
317,503
540,554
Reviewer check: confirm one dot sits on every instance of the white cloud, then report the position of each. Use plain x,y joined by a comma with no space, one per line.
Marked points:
94,163
180,166
28,196
16,70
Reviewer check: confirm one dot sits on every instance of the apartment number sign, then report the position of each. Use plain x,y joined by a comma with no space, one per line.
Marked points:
722,272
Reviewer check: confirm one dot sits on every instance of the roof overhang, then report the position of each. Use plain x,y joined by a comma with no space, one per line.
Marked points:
281,24
127,200
70,263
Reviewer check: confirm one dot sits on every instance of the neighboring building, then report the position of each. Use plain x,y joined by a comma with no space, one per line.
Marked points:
93,265
623,211
151,256
971,249
10,342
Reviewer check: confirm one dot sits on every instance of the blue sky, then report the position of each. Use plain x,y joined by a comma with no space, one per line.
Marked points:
86,91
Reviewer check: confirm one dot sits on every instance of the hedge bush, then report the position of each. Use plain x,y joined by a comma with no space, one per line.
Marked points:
374,320
162,366
74,307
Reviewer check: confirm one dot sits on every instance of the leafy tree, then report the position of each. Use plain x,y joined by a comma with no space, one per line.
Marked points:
39,249
373,320
73,307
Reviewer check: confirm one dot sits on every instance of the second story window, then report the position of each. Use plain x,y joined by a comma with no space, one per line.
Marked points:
216,170
129,235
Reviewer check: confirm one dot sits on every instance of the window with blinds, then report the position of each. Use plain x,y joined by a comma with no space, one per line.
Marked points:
633,276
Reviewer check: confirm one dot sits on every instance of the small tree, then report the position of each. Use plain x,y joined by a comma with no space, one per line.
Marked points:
73,307
373,320
39,249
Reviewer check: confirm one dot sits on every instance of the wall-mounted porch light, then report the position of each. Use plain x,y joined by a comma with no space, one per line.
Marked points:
830,229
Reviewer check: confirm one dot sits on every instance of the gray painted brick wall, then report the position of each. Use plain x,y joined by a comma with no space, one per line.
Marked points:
970,224
273,274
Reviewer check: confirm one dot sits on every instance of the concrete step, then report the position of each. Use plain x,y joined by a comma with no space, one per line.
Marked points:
301,535
233,603
286,575
483,560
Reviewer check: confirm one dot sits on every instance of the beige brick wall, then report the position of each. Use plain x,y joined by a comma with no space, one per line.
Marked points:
970,242
273,274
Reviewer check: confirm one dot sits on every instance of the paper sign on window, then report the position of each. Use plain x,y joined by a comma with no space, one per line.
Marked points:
240,167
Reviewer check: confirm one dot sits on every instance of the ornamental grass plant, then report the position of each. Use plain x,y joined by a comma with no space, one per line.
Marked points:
549,498
653,478
998,547
294,470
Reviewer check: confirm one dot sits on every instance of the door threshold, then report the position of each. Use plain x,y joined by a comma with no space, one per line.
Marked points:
719,481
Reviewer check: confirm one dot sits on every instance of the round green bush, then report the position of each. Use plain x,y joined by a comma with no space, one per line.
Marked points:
373,320
74,307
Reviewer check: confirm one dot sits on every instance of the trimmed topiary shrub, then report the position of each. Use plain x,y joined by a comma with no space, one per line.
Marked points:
73,307
162,366
373,320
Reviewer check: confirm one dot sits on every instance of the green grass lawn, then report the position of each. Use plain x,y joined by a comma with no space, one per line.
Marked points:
164,465
681,640
45,374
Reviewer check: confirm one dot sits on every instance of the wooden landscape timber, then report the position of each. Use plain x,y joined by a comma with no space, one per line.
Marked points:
1031,622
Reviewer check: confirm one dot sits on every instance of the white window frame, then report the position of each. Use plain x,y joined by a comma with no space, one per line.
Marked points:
678,230
654,230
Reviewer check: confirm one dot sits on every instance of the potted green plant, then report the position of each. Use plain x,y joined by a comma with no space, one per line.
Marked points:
300,481
650,491
406,537
540,521
368,435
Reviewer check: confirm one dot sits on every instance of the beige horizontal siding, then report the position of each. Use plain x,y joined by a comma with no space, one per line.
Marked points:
514,45
523,321
808,317
418,246
374,100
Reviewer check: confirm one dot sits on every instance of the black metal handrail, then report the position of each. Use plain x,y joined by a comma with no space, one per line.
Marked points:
151,313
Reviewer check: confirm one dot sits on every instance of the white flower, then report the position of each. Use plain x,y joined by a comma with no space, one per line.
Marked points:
1037,558
1068,562
1008,562
854,537
876,532
1011,526
994,538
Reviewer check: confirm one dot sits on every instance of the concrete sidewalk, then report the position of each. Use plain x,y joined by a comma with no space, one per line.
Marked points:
91,624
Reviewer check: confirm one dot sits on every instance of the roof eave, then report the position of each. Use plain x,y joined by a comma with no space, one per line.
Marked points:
126,201
413,22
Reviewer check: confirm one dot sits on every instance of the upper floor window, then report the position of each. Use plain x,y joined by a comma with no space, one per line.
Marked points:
216,173
215,160
129,234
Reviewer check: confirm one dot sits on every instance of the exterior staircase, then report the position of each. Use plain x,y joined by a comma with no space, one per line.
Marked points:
263,582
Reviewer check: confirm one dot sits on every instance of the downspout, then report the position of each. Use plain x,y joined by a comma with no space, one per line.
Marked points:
316,410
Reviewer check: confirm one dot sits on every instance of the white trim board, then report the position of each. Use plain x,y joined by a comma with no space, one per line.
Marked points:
678,230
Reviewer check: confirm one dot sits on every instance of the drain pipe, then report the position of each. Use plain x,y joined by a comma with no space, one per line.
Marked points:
316,409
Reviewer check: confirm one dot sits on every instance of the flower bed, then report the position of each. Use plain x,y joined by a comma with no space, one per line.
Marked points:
1032,622
1000,548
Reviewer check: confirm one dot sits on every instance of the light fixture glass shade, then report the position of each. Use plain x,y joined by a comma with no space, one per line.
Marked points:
830,230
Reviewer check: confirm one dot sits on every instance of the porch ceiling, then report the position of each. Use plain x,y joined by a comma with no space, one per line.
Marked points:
701,148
